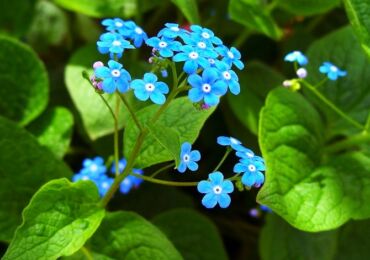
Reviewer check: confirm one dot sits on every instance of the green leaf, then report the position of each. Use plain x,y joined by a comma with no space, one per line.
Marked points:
359,17
24,82
187,229
168,138
180,116
307,7
126,235
59,219
24,166
53,129
351,93
310,190
190,9
254,15
256,81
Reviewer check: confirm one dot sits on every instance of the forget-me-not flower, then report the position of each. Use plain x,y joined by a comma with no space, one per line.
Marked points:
296,56
247,154
93,167
205,34
114,77
229,77
192,57
133,32
172,30
114,44
188,158
251,169
332,71
230,56
149,87
230,141
114,24
165,47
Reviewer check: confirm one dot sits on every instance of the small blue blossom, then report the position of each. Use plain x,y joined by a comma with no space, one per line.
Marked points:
114,24
202,46
114,44
248,154
296,56
208,87
332,71
165,47
172,31
93,167
114,77
251,169
229,77
133,32
216,190
188,158
193,58
205,34
164,73
230,56
230,141
103,184
150,88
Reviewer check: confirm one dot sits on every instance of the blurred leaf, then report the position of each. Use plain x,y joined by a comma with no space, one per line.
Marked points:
254,15
24,82
53,129
24,166
311,191
181,116
255,82
307,7
126,235
17,16
194,235
57,222
190,9
359,16
351,93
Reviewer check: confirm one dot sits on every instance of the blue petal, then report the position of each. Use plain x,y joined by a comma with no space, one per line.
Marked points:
195,94
210,75
122,85
193,166
240,167
209,201
103,72
249,179
211,99
186,147
227,187
150,78
224,200
219,87
195,81
141,94
166,53
216,178
332,75
324,69
204,187
190,66
223,140
114,64
108,85
182,167
234,87
195,155
260,178
239,64
157,97
180,57
162,87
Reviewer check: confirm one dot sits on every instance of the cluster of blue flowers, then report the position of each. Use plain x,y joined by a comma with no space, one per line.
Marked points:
95,171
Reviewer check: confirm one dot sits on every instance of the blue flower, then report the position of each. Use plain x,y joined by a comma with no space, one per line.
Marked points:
165,47
296,56
150,88
230,141
114,77
332,71
130,181
93,167
216,190
172,31
202,46
230,56
248,154
229,77
193,59
103,184
113,44
205,34
114,24
133,32
188,158
208,87
251,169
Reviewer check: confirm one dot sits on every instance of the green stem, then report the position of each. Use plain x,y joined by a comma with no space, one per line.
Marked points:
116,139
361,138
228,150
163,182
162,169
322,82
174,74
331,105
87,253
132,113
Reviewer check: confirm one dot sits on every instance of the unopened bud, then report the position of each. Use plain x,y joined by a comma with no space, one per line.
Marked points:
98,64
301,73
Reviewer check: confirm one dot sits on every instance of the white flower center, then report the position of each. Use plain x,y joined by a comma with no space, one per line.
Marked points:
206,88
116,43
116,73
193,55
105,185
93,168
230,55
206,35
251,168
118,24
202,45
211,61
333,69
234,141
138,30
149,87
217,189
186,158
175,29
162,44
226,75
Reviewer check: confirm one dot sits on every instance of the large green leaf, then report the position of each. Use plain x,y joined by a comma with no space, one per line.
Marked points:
256,81
181,116
187,230
24,82
359,16
59,219
351,93
190,9
307,7
126,235
24,166
310,190
254,15
53,129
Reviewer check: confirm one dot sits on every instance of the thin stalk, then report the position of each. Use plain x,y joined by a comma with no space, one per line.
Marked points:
132,113
162,169
362,138
228,151
116,138
174,74
87,253
164,182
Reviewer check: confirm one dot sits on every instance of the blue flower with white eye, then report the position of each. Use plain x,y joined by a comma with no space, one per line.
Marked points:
205,34
216,190
248,154
148,87
251,169
205,47
103,184
230,56
93,167
229,77
193,58
188,158
114,44
332,71
165,46
114,24
131,31
296,56
114,78
172,31
230,141
209,87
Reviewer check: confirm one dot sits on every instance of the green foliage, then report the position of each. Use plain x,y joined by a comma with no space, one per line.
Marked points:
24,166
187,229
307,7
255,83
126,235
181,116
308,188
189,9
358,14
254,15
53,129
59,219
24,82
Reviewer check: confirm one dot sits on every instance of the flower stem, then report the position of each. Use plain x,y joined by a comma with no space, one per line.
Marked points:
228,151
116,138
332,106
164,182
162,169
132,113
174,74
361,138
